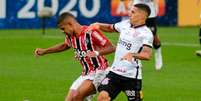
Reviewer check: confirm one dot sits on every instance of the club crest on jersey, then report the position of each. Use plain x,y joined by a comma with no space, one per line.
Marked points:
135,34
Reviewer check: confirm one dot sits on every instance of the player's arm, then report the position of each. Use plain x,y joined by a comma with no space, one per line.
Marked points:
104,46
54,49
145,54
102,26
107,49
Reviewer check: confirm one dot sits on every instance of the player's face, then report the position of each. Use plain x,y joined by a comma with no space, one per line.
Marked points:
66,27
135,14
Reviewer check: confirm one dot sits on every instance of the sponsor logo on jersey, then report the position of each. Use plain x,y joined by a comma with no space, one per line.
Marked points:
80,54
126,44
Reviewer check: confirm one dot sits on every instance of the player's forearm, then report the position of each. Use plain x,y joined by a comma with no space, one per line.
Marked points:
145,54
106,27
107,50
57,48
142,56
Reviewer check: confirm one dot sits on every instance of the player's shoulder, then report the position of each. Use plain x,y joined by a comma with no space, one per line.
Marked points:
86,31
146,31
83,27
122,24
126,22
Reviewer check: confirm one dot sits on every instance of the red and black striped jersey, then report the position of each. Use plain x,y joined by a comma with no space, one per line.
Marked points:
88,41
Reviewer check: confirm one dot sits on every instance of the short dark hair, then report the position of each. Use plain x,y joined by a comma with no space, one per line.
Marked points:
64,16
144,7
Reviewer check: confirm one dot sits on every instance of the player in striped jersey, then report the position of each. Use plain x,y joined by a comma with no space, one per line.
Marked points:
89,47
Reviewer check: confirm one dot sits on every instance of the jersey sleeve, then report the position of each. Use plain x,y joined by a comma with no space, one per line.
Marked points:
117,26
67,41
148,40
99,38
120,25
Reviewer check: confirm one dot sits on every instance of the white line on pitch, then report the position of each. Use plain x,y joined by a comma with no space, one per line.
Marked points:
180,44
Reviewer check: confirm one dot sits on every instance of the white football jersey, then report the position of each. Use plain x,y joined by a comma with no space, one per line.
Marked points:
151,5
130,40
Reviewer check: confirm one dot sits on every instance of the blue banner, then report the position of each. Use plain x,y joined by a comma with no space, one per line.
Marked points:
24,13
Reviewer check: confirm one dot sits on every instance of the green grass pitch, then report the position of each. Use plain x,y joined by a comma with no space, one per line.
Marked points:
26,78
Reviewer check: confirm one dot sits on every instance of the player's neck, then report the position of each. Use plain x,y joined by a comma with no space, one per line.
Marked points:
138,23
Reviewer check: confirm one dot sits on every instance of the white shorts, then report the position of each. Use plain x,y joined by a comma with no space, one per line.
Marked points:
81,79
76,84
100,75
96,77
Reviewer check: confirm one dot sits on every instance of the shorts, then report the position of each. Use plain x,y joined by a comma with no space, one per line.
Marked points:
114,84
151,23
80,80
100,75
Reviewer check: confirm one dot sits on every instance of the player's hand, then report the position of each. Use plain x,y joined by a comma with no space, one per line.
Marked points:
92,54
128,57
93,26
39,52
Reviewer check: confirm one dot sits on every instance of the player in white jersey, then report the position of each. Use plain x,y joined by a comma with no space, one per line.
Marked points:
135,44
151,23
198,52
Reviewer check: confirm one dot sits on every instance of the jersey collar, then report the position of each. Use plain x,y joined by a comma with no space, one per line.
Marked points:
137,26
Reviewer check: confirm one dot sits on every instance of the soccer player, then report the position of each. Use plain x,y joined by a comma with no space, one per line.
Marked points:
135,44
151,23
198,53
89,47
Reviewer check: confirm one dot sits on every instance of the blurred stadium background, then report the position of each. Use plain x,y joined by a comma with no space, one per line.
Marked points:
26,78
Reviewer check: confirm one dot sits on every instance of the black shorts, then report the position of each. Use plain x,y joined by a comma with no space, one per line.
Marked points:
114,84
151,23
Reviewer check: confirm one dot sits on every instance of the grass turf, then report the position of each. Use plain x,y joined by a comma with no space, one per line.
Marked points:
24,77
